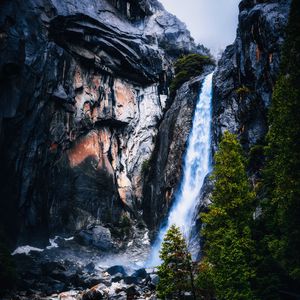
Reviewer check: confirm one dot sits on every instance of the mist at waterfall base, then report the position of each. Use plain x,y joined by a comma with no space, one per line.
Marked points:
197,164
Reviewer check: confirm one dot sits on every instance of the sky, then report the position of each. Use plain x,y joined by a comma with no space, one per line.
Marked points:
212,23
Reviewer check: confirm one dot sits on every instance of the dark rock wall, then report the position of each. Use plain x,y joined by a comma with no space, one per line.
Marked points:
165,172
247,71
83,88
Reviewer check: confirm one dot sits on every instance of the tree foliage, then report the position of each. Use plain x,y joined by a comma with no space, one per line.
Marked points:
175,272
187,67
259,258
282,171
229,247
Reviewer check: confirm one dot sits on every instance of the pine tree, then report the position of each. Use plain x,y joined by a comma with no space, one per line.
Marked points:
282,172
175,272
229,248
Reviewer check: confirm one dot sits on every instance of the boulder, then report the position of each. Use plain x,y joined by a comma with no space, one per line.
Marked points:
154,279
93,294
97,236
132,291
140,273
116,269
131,280
89,268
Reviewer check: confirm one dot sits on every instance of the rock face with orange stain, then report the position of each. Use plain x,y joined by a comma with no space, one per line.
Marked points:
104,163
84,87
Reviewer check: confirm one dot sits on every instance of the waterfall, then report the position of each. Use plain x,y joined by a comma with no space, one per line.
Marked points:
197,164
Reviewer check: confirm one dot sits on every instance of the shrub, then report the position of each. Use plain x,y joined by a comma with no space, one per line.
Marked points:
145,166
242,91
187,67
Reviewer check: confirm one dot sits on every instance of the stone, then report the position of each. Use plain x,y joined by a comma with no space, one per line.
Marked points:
97,236
93,295
60,93
140,273
117,277
89,268
131,280
154,279
116,269
70,295
132,291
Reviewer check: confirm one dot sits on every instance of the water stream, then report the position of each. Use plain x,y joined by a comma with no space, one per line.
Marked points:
197,164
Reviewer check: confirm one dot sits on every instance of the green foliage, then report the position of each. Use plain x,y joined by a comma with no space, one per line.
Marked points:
125,221
7,267
242,91
229,247
125,226
175,272
187,67
246,258
205,279
256,157
145,166
282,171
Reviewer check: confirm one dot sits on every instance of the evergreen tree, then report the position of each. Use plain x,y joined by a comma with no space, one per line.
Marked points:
229,248
175,272
282,171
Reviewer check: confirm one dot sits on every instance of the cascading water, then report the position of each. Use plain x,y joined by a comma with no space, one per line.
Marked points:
197,164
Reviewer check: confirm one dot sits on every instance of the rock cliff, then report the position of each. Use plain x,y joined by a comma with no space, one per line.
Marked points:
165,167
242,87
247,71
84,87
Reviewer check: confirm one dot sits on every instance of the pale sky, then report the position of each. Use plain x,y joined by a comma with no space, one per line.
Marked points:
212,23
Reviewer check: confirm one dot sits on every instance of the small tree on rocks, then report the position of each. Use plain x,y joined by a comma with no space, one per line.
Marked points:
175,273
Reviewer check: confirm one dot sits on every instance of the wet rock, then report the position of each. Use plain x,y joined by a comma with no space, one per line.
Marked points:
60,93
154,279
116,269
132,291
93,295
52,267
92,280
97,236
70,295
117,277
120,296
131,280
140,273
89,268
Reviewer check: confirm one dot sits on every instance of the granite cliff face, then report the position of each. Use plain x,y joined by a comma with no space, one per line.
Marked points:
83,91
247,71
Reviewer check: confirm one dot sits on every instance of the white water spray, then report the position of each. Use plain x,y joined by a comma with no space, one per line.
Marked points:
197,164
